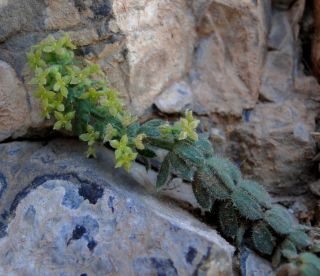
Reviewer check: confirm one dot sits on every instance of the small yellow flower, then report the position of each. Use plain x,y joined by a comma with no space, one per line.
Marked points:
109,133
188,127
124,154
138,141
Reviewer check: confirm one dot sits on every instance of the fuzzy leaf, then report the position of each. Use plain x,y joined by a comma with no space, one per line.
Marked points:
202,194
228,220
204,146
308,270
132,130
279,220
234,172
262,238
214,185
246,205
300,239
288,249
240,234
181,168
220,168
189,153
309,258
276,257
151,128
257,192
164,173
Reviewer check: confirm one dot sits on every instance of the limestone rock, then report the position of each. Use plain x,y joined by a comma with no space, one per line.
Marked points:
64,214
14,109
253,265
271,142
17,15
175,99
229,55
160,40
61,14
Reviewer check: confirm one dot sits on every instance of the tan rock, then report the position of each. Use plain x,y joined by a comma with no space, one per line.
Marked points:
229,57
160,38
84,37
274,145
61,14
14,110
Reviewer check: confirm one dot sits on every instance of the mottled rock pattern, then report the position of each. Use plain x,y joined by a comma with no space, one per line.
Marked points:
253,265
67,215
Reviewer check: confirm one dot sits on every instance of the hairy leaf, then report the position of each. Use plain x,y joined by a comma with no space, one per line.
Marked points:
164,173
279,220
308,270
262,238
204,146
246,205
228,220
213,184
189,153
288,249
221,169
276,257
257,192
300,239
151,128
200,190
240,235
181,168
132,130
309,258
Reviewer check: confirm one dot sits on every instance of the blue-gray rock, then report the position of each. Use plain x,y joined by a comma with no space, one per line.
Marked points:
175,99
253,265
62,214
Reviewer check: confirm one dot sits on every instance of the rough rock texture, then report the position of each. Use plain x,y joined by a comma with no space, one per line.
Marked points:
14,109
228,59
175,99
62,214
241,59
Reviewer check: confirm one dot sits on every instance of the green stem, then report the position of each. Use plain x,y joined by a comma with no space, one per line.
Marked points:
163,144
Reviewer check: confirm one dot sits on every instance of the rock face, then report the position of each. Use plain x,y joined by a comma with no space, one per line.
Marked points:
62,214
14,108
240,63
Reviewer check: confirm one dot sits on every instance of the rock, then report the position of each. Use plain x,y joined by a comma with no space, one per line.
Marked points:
84,37
253,265
271,143
160,37
229,56
278,72
315,188
61,14
65,214
175,99
17,15
282,4
14,109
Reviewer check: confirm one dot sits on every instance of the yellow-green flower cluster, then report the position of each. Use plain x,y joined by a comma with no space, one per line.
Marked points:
124,154
90,137
188,126
183,129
